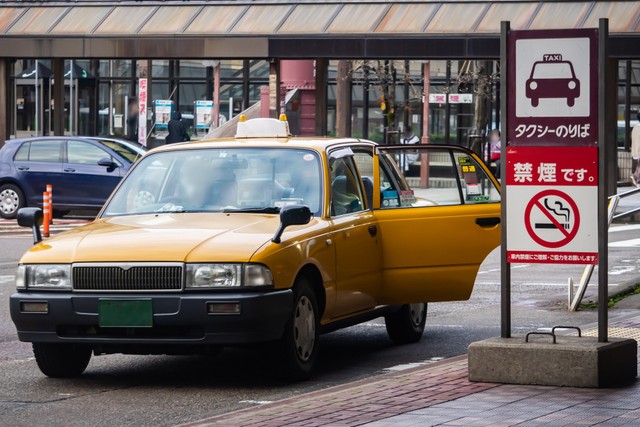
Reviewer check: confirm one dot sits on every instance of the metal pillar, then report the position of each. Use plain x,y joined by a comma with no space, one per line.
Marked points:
505,267
343,99
426,79
274,89
607,108
4,117
321,96
58,96
447,108
216,95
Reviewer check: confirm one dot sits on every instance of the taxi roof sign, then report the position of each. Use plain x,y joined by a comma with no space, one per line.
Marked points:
263,128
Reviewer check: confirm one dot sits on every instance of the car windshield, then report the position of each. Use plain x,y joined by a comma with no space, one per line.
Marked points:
220,180
123,149
552,70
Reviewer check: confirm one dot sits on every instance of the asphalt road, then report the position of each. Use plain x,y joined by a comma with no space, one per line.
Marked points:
168,390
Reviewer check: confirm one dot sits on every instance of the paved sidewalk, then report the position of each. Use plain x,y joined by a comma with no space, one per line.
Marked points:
439,394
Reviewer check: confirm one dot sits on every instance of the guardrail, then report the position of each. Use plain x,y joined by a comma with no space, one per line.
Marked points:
588,270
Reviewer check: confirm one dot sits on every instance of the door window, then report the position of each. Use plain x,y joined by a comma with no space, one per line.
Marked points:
363,157
346,194
83,153
421,177
22,155
47,151
476,185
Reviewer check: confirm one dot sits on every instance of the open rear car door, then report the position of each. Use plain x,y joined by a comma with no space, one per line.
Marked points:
438,211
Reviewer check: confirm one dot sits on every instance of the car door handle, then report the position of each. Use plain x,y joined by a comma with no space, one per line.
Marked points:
488,222
373,230
23,168
69,170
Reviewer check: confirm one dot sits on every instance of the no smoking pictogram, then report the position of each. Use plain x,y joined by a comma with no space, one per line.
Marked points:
552,218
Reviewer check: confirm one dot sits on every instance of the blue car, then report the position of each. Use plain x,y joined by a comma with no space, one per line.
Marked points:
83,171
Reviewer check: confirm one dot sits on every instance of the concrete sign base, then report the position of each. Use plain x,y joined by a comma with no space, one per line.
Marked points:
570,362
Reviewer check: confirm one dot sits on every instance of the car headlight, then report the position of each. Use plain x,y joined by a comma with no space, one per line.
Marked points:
201,276
44,276
533,85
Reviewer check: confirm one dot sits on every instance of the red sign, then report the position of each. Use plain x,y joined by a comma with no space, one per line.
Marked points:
550,194
574,166
142,111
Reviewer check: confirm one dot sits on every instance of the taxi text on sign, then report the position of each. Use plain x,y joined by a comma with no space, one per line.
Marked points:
552,147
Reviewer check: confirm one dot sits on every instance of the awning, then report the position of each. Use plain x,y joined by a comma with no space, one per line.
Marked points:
262,28
44,72
78,72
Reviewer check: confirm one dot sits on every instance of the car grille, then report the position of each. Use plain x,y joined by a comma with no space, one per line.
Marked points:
127,277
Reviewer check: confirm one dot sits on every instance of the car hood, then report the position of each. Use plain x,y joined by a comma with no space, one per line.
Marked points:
180,237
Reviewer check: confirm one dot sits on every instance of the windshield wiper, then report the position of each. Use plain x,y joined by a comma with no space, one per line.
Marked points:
266,210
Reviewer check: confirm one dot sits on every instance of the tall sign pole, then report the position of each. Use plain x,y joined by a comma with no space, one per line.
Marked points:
505,267
604,190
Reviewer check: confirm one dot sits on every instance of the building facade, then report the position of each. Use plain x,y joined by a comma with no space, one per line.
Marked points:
368,69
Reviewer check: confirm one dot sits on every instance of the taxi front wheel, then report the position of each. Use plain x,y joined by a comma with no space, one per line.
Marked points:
61,360
299,344
406,325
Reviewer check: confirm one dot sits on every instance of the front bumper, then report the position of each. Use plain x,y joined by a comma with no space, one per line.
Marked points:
177,318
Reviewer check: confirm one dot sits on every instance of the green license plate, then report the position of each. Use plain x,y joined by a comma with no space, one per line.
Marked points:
125,313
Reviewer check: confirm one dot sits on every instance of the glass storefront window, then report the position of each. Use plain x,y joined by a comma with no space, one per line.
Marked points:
231,68
357,114
159,90
192,68
189,93
115,68
231,99
160,68
254,93
258,69
628,101
113,98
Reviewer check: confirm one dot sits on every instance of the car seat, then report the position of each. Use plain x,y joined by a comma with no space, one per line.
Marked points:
344,197
367,183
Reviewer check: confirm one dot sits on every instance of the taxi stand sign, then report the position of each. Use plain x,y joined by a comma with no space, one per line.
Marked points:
551,153
555,165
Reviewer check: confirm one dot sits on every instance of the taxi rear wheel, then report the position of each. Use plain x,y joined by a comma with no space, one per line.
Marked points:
406,325
61,360
299,344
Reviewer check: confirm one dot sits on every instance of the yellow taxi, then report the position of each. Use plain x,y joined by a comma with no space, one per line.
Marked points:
258,238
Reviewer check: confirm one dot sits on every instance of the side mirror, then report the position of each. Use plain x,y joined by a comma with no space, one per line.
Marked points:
292,215
107,162
32,218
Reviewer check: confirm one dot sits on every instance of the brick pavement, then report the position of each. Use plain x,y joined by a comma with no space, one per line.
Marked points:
439,394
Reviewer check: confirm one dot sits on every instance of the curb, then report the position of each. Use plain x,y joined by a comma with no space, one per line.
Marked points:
623,288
